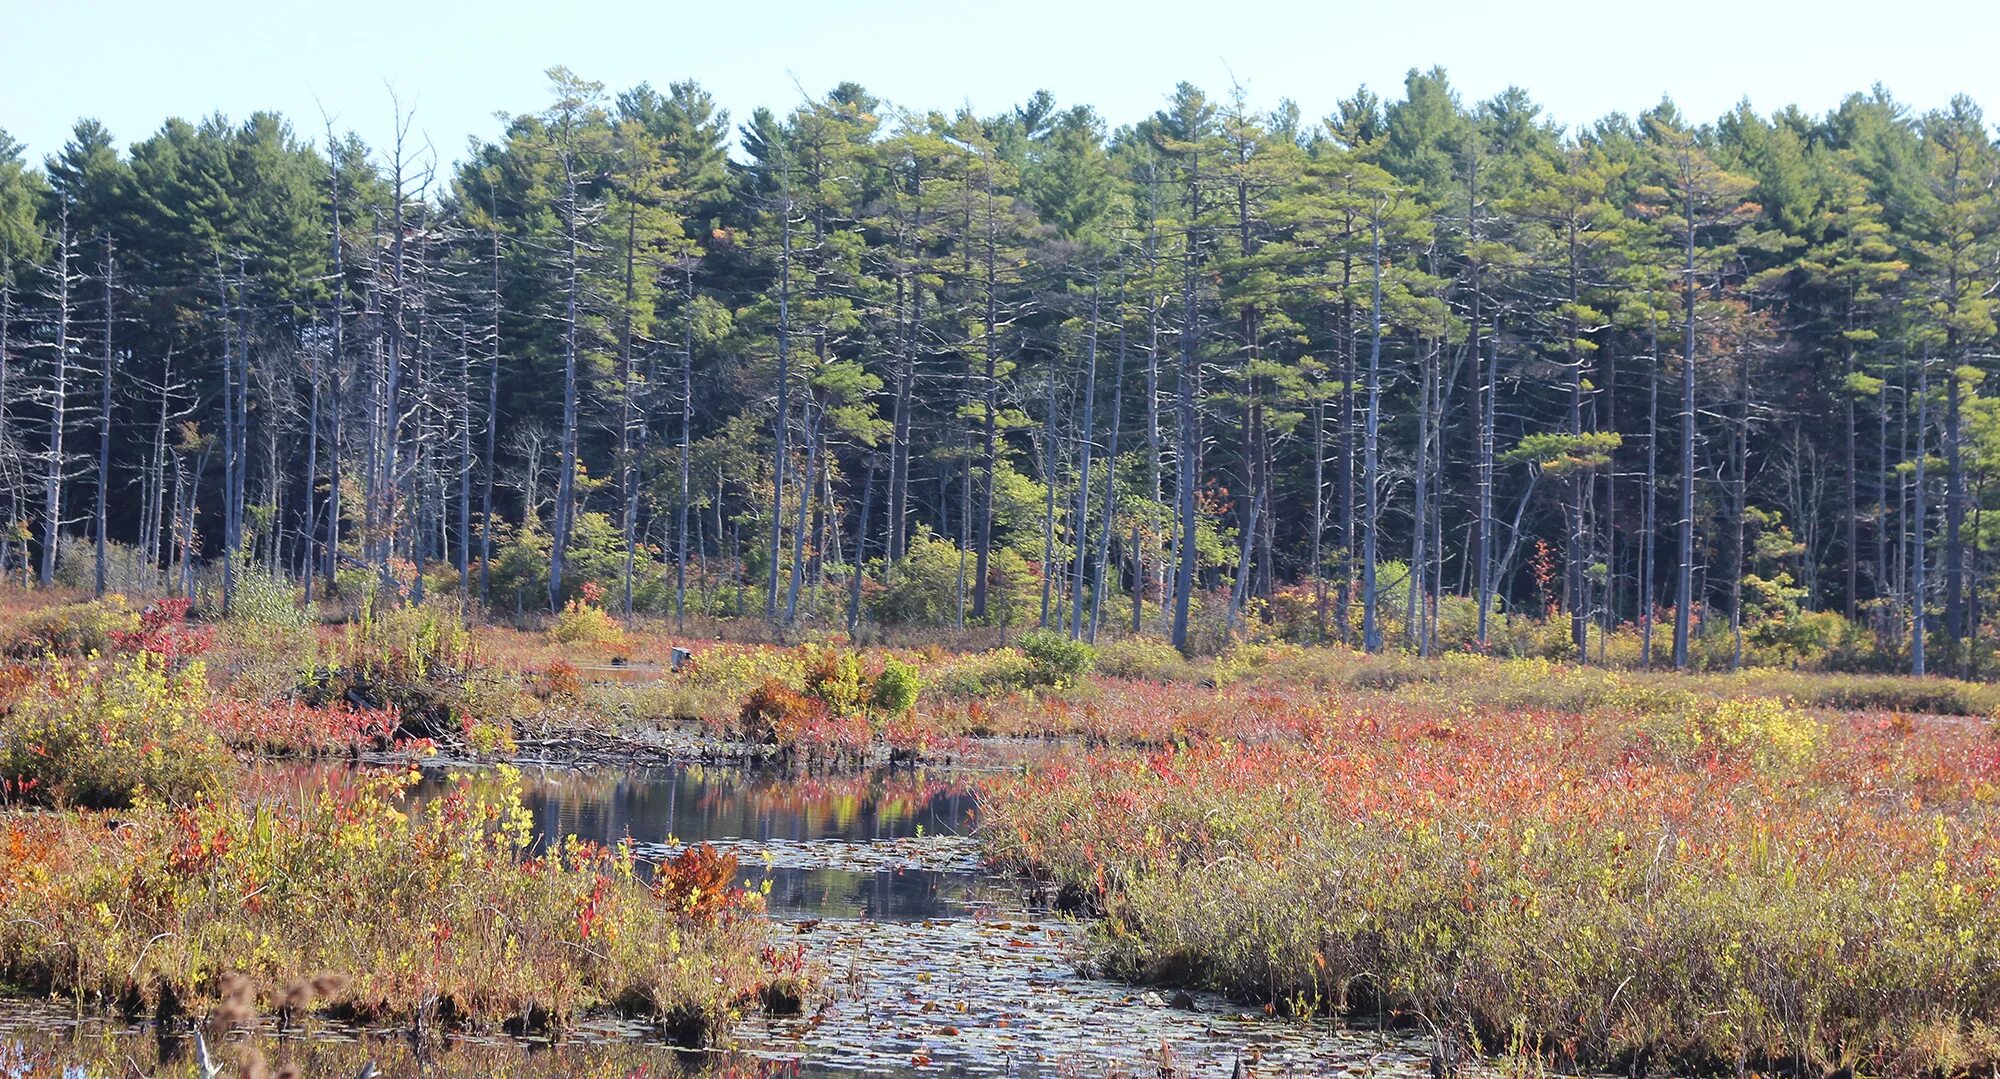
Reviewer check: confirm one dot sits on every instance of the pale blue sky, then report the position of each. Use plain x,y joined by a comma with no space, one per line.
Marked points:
132,63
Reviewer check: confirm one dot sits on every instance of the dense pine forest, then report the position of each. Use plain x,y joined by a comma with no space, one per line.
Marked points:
1425,373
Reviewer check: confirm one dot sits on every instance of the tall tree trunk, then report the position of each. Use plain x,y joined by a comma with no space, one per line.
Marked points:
687,448
1649,512
1684,600
860,553
781,424
104,414
492,430
566,481
1371,628
58,408
1110,510
1488,413
1081,528
1921,518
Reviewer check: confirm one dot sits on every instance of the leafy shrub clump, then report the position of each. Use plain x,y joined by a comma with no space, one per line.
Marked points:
985,674
583,620
289,727
266,601
73,630
896,689
112,732
560,681
1141,659
773,711
413,659
836,680
1054,660
1764,731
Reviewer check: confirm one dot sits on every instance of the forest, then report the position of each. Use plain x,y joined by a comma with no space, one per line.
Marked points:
1417,591
1423,374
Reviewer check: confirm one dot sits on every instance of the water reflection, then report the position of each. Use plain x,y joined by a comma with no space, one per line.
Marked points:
829,845
933,965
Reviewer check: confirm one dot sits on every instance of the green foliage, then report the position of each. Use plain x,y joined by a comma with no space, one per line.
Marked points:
896,688
980,675
1141,659
265,601
114,732
834,677
72,630
924,587
583,621
1054,660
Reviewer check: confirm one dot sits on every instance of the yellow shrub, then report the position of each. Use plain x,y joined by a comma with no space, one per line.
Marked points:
1769,732
581,623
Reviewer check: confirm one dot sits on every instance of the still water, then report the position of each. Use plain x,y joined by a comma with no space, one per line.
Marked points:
934,964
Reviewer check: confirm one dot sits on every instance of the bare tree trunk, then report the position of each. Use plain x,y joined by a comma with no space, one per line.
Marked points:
1684,602
860,553
492,431
1110,511
566,482
989,396
104,413
1917,612
1081,528
1648,524
1488,413
781,424
58,408
1413,630
1371,628
686,496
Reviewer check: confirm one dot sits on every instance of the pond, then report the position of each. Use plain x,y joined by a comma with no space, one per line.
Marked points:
935,965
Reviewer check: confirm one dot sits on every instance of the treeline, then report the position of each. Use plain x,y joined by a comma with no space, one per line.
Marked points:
1395,376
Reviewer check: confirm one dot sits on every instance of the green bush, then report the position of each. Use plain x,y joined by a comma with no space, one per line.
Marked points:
1142,659
835,679
73,630
985,674
896,688
114,732
264,600
923,587
1055,660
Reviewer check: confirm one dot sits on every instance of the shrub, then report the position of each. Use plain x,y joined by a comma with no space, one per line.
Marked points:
560,681
774,710
164,631
1142,659
896,688
836,680
410,658
699,882
124,571
583,621
301,728
74,630
985,674
924,586
114,732
488,739
1765,731
267,601
1054,660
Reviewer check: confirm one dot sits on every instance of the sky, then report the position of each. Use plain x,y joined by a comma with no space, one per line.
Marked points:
132,63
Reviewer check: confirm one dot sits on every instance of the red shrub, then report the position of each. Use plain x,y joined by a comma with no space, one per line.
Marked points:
700,882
